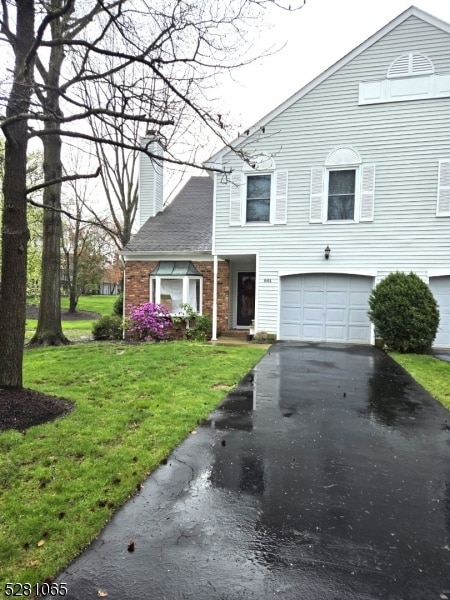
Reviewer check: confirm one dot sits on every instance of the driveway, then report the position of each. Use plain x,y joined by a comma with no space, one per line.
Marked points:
325,475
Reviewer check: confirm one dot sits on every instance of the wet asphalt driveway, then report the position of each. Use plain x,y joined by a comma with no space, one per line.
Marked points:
325,475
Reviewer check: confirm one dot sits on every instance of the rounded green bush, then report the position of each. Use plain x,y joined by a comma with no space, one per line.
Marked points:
404,312
118,306
108,327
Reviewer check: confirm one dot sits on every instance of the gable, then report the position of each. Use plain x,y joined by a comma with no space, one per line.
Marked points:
414,31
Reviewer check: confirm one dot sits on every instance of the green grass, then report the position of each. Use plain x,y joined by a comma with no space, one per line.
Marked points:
78,330
61,481
433,374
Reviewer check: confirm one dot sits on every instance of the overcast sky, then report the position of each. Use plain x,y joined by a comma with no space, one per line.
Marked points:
316,36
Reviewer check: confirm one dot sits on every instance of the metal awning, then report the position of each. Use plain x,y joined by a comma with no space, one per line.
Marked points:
175,268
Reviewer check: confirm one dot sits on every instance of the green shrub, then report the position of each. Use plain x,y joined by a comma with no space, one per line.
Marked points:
118,306
108,327
196,327
404,312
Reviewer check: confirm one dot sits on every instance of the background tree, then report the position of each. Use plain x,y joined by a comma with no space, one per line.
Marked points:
88,249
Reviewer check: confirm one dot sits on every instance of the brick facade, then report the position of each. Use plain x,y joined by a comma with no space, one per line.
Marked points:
137,287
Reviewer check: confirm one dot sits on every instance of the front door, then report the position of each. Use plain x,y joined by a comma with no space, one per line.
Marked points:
245,298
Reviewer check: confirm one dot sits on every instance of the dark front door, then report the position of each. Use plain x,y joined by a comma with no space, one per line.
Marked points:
245,298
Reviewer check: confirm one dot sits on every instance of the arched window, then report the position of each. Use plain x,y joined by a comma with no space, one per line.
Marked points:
342,190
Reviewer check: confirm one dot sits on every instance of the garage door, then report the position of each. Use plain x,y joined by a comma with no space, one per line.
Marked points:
325,308
440,286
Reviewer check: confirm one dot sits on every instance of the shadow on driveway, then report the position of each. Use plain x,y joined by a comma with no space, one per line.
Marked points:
324,475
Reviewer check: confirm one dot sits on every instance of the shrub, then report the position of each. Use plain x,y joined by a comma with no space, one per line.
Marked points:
404,312
196,327
118,306
108,327
149,321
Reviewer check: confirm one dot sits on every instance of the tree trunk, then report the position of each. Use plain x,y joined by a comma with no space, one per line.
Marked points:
49,330
14,227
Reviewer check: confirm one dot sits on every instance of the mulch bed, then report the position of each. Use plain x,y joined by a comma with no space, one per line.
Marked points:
20,409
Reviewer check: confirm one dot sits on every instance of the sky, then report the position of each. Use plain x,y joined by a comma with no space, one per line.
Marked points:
314,38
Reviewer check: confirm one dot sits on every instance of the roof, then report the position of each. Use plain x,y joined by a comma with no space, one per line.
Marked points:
185,225
412,11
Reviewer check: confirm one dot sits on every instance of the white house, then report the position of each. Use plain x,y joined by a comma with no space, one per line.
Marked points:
345,182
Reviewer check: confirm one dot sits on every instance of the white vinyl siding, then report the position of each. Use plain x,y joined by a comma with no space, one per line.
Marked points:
443,200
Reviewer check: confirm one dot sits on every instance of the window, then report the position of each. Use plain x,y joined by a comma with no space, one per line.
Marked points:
343,189
258,198
173,283
341,195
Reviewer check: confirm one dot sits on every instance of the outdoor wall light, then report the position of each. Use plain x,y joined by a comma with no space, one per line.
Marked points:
327,252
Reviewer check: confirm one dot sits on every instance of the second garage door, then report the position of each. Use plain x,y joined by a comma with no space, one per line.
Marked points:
325,308
440,286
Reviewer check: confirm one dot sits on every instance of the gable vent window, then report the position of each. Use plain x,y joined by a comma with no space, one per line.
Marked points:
410,65
173,283
411,76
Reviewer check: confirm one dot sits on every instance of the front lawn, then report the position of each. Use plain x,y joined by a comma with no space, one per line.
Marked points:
433,374
60,482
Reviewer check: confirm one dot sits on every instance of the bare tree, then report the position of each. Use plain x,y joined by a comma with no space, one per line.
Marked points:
181,43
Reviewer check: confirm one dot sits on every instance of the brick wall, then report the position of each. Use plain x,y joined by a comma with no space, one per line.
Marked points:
137,287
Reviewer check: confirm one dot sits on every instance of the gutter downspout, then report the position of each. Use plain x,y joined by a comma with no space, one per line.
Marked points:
214,315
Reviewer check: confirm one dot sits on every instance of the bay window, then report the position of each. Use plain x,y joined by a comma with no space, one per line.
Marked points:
173,283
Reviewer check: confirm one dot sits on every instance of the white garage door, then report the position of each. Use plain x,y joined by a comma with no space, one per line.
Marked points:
440,286
325,308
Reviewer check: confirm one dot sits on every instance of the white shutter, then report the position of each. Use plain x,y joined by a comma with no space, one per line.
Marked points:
367,192
316,195
281,187
443,199
236,196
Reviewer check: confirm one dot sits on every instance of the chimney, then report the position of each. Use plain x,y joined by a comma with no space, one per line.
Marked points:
150,178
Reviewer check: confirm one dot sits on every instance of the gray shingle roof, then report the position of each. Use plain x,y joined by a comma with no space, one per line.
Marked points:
185,225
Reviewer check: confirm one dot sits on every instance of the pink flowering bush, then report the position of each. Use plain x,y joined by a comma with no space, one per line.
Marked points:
149,321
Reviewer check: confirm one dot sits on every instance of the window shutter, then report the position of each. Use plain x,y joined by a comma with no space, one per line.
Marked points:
367,192
316,195
443,199
281,187
236,195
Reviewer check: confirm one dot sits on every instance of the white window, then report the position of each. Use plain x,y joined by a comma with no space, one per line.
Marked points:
173,283
342,190
258,198
341,194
